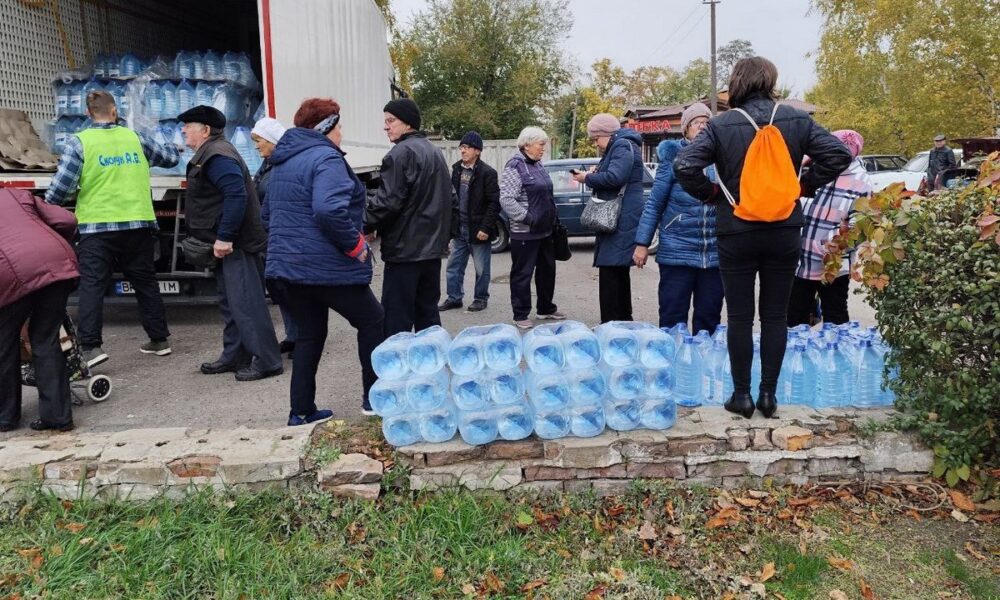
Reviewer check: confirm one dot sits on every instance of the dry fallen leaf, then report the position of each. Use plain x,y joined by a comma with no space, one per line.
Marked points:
972,551
838,595
866,591
74,527
596,594
748,502
716,522
674,531
961,501
533,585
338,583
758,494
493,583
617,573
844,564
86,541
767,572
647,531
438,573
468,589
959,516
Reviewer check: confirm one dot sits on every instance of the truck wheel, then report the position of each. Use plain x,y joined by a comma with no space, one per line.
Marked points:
502,241
655,244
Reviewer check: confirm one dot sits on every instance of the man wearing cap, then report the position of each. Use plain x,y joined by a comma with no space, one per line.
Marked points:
941,157
221,208
478,191
415,214
114,206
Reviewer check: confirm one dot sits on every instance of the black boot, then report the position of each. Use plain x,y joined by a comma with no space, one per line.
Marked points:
767,404
740,403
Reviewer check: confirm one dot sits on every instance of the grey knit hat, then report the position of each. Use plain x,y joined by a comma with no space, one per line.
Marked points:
691,113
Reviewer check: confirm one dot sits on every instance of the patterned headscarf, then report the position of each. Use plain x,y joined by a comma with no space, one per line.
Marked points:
852,139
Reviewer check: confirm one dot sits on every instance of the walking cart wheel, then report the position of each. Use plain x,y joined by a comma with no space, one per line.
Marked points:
99,388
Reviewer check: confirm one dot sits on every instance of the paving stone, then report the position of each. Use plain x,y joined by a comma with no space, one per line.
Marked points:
472,476
453,453
760,439
792,437
702,445
739,439
659,470
195,466
519,450
146,473
542,472
350,469
362,491
73,470
233,472
587,453
889,450
644,445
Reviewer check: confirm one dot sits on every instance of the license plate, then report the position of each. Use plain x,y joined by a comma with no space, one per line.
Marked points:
124,288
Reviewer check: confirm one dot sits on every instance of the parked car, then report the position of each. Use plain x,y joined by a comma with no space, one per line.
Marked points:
570,197
887,169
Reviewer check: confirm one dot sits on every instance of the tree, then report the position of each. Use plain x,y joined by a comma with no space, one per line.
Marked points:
899,72
728,55
490,65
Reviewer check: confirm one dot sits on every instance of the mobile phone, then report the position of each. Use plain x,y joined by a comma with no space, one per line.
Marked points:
575,171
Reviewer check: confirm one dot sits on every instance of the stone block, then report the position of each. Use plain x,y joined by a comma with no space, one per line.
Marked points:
893,451
70,490
786,466
600,487
519,450
542,472
237,471
833,466
195,466
719,468
792,437
707,482
472,476
739,439
416,460
73,470
697,446
585,453
760,439
674,469
541,488
644,445
454,451
361,491
145,473
350,469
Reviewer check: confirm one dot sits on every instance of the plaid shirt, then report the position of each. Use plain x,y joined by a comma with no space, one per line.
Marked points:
67,178
831,206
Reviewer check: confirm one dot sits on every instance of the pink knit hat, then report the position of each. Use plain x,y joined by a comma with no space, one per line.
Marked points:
852,139
602,124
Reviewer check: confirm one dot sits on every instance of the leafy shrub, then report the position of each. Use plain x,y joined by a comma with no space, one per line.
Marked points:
931,268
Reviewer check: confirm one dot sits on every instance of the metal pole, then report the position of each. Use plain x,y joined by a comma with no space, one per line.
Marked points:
572,132
715,72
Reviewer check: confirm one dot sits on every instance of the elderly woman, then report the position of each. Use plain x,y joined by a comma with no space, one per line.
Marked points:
38,270
619,173
265,135
688,256
318,258
824,213
749,249
526,196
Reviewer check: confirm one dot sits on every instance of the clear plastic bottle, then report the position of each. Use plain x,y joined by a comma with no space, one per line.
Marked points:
184,65
204,93
619,346
427,392
388,397
722,373
428,352
704,341
543,350
466,354
470,392
113,67
689,372
552,424
185,97
232,67
90,86
800,384
515,421
755,368
832,372
680,331
658,413
171,102
438,425
212,66
867,392
547,391
659,382
61,91
586,385
130,66
76,102
721,333
100,66
64,128
389,357
581,347
155,100
503,348
587,417
622,414
197,65
505,387
401,430
656,347
477,427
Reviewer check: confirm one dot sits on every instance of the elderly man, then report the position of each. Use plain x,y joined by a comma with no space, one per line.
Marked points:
114,207
222,209
415,213
941,157
478,191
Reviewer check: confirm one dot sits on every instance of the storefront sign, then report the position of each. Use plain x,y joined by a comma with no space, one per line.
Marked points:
650,126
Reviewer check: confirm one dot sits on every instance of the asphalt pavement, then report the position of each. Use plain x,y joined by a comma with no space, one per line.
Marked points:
151,391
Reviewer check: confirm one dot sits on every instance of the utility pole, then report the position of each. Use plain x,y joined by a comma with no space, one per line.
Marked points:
572,129
715,69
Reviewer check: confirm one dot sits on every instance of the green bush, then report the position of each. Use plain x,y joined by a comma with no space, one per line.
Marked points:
931,267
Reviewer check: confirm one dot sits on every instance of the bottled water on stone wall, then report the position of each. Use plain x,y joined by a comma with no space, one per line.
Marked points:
388,397
704,341
867,389
171,102
722,373
503,349
471,391
658,409
619,345
832,376
185,97
428,350
622,406
389,358
514,421
506,387
549,395
438,424
587,389
581,347
427,392
755,369
466,355
800,383
543,350
655,347
688,374
402,429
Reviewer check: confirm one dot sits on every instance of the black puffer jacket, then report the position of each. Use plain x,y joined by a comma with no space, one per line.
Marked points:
415,210
484,199
724,143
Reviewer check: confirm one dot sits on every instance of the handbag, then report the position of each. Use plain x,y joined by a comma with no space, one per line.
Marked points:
560,242
602,215
198,253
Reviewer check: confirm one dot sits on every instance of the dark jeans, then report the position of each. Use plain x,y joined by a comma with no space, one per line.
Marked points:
410,294
678,284
614,286
771,254
832,298
310,307
532,257
132,251
248,334
481,253
46,308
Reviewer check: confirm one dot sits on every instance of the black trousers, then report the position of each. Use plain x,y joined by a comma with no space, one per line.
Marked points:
46,308
310,306
410,295
248,336
132,251
771,254
832,298
615,293
538,258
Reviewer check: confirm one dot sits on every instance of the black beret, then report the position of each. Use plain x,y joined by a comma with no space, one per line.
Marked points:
208,115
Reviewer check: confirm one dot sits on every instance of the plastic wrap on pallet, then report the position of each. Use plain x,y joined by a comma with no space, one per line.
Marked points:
145,114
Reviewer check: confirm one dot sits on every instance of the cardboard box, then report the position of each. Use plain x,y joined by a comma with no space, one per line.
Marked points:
21,149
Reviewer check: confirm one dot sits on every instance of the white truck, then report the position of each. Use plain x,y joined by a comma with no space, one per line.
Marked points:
299,49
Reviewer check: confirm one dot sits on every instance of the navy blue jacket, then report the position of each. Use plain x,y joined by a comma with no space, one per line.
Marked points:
620,165
687,225
314,211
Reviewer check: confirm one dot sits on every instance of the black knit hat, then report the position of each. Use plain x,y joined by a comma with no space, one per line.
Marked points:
472,139
208,115
405,110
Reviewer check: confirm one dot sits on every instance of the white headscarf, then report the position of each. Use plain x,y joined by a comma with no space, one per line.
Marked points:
269,129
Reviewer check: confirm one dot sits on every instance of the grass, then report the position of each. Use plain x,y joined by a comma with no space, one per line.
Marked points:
455,545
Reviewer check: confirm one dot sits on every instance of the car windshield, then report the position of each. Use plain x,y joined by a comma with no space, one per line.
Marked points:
917,163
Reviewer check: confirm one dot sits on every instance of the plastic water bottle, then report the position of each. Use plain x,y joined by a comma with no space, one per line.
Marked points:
155,100
552,424
91,86
232,68
679,331
427,392
505,387
186,153
438,425
515,421
389,357
470,392
624,383
832,376
656,348
689,372
466,353
867,390
213,66
543,350
622,414
722,373
581,347
586,385
721,333
76,103
113,66
62,98
704,341
197,65
587,417
204,93
130,66
401,430
659,382
162,136
658,413
502,348
547,391
183,65
388,397
755,368
800,384
428,350
171,100
477,427
63,130
185,97
100,66
619,346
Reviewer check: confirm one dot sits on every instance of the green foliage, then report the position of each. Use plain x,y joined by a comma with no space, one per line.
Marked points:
899,72
932,270
490,65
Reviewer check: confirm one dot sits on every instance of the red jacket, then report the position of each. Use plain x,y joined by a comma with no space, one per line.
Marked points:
34,247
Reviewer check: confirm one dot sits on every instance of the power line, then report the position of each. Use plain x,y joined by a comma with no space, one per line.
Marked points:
678,41
669,36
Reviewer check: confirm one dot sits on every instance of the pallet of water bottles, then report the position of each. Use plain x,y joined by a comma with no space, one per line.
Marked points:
565,379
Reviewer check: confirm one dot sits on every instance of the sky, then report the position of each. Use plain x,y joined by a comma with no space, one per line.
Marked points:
673,32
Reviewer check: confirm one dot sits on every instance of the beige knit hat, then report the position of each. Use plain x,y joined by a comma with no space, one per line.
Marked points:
603,124
693,112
